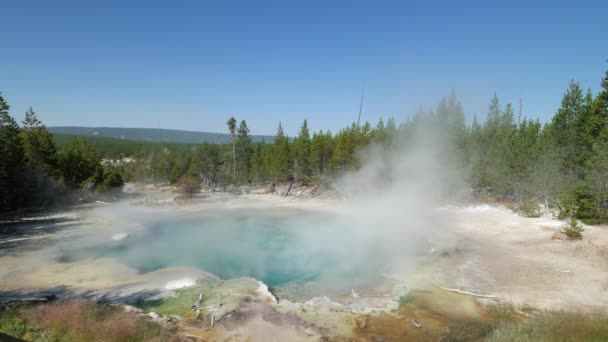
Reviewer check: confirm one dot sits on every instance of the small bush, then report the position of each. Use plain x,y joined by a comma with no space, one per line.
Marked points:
572,229
111,180
530,208
406,299
188,186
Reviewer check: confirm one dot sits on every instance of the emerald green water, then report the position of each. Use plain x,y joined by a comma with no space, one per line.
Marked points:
276,250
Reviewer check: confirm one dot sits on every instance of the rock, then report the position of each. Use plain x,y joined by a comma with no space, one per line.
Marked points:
120,236
180,283
130,308
154,315
559,236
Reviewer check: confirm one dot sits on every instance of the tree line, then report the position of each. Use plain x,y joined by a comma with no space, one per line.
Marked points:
562,164
34,174
305,158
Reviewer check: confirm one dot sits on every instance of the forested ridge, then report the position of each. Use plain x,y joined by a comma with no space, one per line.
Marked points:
172,136
562,163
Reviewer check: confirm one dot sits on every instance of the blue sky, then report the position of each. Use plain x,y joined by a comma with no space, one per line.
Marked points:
191,64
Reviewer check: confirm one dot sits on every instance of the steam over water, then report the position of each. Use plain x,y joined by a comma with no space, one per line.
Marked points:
387,218
275,249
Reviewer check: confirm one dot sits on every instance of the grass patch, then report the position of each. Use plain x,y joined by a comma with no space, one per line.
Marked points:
555,326
79,321
502,312
181,303
504,324
213,291
469,330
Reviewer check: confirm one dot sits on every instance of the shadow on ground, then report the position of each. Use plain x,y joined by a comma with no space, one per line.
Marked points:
124,294
31,233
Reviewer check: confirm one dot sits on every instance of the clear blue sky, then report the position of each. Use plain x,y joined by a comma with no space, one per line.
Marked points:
191,64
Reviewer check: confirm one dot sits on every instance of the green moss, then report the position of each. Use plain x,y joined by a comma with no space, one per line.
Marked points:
14,323
181,303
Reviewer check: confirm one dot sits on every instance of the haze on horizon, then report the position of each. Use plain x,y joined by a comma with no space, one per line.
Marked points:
191,65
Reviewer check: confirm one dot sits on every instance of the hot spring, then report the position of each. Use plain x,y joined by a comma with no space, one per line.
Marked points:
280,250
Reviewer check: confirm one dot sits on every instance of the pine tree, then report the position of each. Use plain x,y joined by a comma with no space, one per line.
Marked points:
477,152
40,151
303,156
492,160
598,173
211,164
232,129
257,174
379,133
566,136
342,157
12,163
80,164
243,150
41,160
282,160
321,153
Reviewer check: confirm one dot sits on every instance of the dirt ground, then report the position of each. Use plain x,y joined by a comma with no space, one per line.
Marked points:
516,259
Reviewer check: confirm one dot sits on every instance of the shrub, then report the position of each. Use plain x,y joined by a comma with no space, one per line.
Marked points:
111,180
530,208
578,202
406,299
572,229
188,186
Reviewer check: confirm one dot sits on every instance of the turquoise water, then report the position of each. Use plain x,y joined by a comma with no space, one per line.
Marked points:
276,250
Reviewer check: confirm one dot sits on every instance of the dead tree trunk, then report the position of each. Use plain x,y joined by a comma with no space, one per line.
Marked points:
288,189
314,191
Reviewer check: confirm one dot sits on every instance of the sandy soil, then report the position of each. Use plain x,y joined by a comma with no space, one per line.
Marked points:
516,259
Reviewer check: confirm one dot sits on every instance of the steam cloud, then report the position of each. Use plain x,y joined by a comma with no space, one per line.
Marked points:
388,217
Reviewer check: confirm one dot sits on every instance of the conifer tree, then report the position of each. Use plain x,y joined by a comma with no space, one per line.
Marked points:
258,171
243,150
281,152
80,164
39,148
11,161
303,156
232,129
598,173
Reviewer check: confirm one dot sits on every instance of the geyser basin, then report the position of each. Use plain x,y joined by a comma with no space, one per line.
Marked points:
278,250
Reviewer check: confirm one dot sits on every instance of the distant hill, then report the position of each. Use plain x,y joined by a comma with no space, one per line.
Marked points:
117,148
152,134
